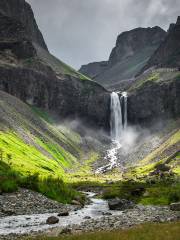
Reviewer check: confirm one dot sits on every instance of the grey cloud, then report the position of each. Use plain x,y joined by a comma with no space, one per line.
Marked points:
82,31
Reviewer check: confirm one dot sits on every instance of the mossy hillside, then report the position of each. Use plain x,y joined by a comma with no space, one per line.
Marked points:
27,159
157,76
38,152
39,143
160,155
33,127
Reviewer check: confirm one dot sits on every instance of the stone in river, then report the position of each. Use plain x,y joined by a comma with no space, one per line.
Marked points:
52,220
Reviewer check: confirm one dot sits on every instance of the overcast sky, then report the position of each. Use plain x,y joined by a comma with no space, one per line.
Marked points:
82,31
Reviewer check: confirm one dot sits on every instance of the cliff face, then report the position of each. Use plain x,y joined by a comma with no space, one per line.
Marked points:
131,53
20,12
168,53
154,99
29,72
68,97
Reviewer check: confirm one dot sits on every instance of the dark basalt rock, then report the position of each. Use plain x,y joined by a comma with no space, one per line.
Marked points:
70,97
21,14
154,101
120,204
175,206
63,214
52,220
21,49
167,55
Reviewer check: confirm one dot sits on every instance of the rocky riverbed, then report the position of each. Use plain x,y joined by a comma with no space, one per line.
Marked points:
27,202
95,216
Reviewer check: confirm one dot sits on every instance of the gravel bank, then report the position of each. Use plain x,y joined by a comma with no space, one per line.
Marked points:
24,202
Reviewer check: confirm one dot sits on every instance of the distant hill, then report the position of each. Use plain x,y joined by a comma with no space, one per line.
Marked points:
132,51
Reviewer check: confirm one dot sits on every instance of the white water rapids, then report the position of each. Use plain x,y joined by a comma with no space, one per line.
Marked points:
118,125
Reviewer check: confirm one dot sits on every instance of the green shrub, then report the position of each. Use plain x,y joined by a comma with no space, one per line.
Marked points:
8,185
161,192
53,188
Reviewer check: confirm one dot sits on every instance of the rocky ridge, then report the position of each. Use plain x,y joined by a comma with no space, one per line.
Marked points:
167,54
132,51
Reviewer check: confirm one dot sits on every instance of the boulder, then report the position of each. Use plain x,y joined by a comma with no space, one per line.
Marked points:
75,202
52,220
120,204
63,214
8,212
107,213
175,206
163,168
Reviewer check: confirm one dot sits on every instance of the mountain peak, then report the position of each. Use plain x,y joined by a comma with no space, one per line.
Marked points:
20,11
167,55
129,42
132,51
178,21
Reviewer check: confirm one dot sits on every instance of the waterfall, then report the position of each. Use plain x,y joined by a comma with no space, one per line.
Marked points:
118,118
118,124
124,95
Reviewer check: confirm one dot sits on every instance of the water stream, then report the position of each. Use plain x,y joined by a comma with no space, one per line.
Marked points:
22,224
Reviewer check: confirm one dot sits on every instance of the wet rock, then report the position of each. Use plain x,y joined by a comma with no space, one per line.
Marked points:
8,212
120,204
138,191
107,214
175,206
63,214
52,220
75,202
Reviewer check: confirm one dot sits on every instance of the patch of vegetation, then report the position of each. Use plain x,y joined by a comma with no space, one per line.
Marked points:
159,75
153,77
43,114
149,231
53,188
26,158
157,192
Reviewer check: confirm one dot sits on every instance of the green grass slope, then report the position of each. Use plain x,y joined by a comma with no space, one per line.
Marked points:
38,153
157,76
34,143
149,231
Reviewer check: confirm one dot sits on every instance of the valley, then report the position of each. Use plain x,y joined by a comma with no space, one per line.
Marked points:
95,150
